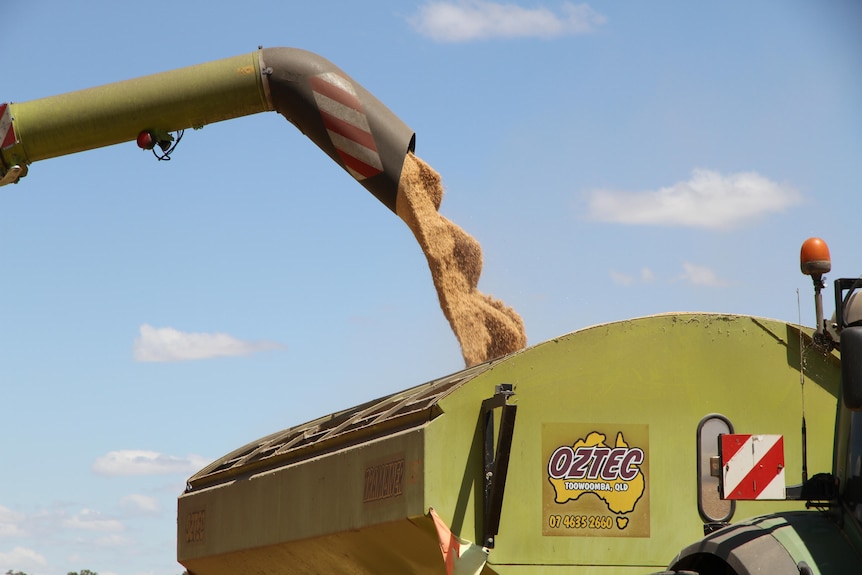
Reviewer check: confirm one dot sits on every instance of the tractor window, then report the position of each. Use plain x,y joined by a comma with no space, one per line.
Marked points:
712,508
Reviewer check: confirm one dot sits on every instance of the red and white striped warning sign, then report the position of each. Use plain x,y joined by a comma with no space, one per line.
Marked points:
347,124
7,131
752,466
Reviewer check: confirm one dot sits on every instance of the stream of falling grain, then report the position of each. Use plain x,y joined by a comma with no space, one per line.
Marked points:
486,328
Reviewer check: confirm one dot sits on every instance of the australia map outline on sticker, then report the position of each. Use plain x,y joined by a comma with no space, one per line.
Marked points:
612,474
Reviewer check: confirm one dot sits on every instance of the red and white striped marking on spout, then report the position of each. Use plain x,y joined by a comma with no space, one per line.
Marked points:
347,125
752,466
7,131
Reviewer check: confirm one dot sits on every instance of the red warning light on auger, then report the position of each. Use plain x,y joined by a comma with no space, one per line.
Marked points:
149,139
146,140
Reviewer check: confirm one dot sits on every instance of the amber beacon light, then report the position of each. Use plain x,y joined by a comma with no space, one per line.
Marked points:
814,261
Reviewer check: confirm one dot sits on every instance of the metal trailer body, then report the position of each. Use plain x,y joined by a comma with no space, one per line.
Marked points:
351,492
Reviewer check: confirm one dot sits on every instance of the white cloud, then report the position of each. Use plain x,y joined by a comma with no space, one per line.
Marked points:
113,540
700,276
10,522
707,200
10,530
138,504
692,274
141,462
90,520
621,278
647,275
168,344
464,20
22,558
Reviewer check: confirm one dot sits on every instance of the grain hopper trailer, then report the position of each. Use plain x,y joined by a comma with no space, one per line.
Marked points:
588,454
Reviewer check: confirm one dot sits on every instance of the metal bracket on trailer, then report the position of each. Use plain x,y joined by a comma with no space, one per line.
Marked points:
496,460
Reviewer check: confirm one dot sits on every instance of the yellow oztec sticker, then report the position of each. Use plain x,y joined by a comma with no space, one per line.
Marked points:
595,480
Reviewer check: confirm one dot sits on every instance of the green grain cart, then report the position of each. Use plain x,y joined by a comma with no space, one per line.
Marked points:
605,469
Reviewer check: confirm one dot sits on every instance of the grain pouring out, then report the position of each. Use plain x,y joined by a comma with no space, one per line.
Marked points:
486,328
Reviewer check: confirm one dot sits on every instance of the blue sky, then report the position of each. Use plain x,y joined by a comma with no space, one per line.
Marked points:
614,160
